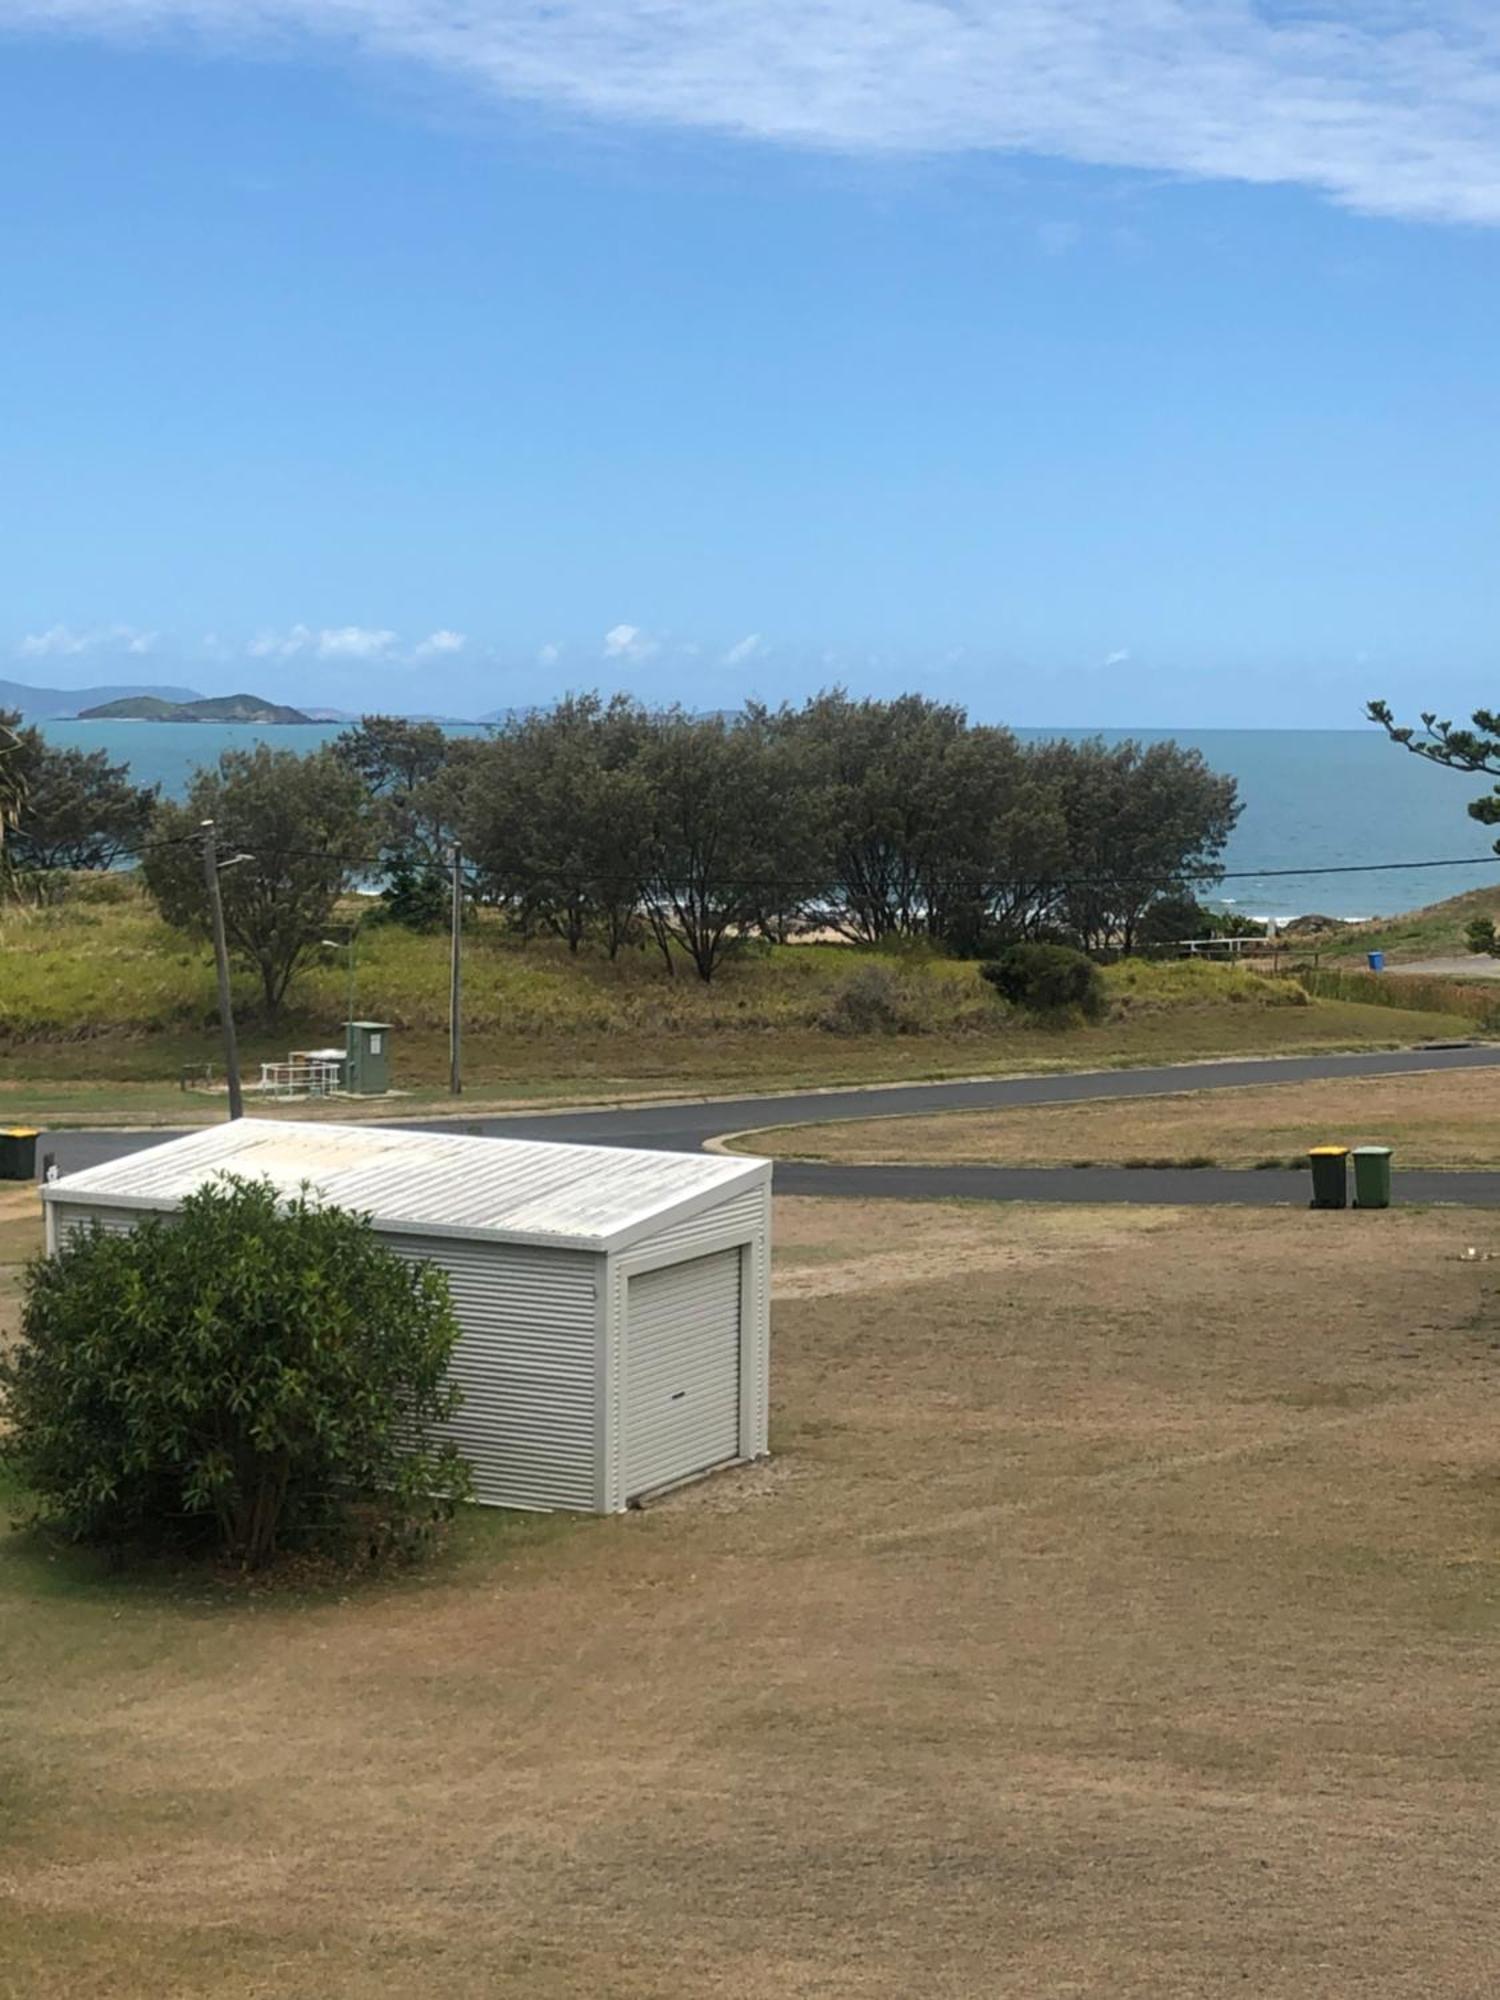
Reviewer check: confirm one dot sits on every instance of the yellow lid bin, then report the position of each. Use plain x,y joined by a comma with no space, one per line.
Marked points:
1330,1176
18,1153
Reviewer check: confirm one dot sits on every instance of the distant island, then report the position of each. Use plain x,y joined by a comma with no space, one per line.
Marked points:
220,708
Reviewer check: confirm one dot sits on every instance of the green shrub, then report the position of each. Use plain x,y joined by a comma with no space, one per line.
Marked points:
871,1001
1479,936
251,1373
1048,980
1172,918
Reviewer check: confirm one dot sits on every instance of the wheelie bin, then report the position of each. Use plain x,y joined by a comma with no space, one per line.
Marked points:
1330,1176
1372,1177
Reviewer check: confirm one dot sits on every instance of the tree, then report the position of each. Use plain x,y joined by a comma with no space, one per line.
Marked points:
399,763
81,810
250,1373
14,780
556,818
65,808
301,823
1142,822
1476,750
884,771
735,836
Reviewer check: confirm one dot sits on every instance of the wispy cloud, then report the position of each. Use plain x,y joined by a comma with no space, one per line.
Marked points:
61,642
333,642
1118,657
1385,108
437,643
629,642
549,655
744,649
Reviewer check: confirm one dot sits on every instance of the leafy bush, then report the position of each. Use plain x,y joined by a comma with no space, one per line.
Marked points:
1048,980
250,1373
1171,919
871,1001
1479,936
419,899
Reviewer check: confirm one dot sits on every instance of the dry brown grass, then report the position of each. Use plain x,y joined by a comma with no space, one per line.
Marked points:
1438,1119
1117,1618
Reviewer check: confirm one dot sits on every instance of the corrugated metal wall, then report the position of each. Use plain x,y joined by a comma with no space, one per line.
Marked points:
118,1221
528,1367
745,1212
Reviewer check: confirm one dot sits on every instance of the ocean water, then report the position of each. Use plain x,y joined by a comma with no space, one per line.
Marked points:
1313,799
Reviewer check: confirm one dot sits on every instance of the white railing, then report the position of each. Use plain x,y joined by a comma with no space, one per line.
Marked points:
300,1078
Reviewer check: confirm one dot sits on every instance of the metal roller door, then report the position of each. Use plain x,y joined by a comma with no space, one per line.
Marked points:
682,1370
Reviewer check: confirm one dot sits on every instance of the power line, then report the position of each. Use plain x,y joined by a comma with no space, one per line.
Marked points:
816,883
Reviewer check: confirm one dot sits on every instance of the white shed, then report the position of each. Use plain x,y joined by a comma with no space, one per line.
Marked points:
614,1305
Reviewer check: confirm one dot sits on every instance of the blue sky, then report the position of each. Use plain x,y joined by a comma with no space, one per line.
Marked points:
1129,364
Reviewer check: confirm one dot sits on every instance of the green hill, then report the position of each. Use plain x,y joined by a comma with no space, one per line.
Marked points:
219,708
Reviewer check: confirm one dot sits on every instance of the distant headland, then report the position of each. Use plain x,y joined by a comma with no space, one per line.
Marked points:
220,708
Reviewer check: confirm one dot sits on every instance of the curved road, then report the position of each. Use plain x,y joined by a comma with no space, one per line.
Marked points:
687,1127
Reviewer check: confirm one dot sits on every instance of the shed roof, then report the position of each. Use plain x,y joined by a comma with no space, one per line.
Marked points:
432,1183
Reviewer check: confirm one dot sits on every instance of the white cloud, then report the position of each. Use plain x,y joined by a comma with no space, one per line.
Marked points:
1117,658
549,655
1386,108
55,643
354,642
60,642
629,642
442,641
333,642
743,649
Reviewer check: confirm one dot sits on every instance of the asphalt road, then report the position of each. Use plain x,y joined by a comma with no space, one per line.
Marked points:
687,1127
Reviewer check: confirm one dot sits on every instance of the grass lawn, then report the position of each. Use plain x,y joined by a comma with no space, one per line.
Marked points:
1442,1119
1116,1618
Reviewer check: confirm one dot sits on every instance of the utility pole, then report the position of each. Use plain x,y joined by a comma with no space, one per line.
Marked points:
455,987
221,963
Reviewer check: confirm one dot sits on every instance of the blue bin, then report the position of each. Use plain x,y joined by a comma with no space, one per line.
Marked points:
1375,960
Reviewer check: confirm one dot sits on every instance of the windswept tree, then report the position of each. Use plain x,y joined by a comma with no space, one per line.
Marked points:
65,808
1474,750
14,781
80,811
399,763
294,829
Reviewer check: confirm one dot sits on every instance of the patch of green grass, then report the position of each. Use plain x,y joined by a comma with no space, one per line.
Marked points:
101,1005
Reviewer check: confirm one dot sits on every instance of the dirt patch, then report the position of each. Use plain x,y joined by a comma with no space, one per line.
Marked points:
1117,1618
1442,1118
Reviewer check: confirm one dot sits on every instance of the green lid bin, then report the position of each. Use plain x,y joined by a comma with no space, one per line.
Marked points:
1372,1177
1330,1176
18,1153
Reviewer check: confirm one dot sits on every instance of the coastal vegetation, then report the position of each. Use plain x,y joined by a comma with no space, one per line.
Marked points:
102,1003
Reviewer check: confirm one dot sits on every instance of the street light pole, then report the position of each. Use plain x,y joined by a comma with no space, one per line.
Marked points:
221,966
455,980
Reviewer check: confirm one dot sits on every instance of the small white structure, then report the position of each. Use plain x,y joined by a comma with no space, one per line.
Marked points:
614,1304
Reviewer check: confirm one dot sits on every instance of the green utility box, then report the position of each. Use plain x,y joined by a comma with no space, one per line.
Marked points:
1330,1176
18,1153
1372,1177
367,1062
